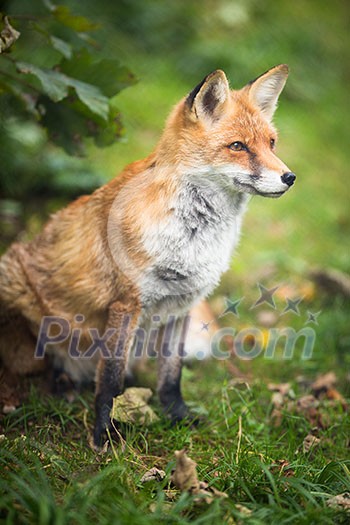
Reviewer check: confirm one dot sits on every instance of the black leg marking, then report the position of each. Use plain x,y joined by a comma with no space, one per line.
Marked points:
169,374
111,371
110,385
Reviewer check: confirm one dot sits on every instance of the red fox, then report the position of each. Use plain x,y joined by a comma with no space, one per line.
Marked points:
146,247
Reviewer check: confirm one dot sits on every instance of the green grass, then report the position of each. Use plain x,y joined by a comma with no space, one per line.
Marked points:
50,475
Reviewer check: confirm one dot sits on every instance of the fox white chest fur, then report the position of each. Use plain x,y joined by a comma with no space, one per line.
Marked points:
192,247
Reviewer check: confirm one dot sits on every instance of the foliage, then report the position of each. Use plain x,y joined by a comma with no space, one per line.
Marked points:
52,73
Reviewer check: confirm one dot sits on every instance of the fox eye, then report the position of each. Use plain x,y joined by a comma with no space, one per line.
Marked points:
272,143
238,146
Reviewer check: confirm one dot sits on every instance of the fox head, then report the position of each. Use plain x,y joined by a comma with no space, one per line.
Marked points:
229,134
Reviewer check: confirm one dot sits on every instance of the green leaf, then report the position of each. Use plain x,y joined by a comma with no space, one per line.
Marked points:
20,103
92,97
78,23
109,133
53,83
61,46
70,121
108,74
56,86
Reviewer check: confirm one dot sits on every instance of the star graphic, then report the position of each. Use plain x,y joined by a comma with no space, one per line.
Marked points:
292,305
205,326
232,307
265,296
312,317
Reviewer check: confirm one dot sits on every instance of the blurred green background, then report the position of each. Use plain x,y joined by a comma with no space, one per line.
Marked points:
170,47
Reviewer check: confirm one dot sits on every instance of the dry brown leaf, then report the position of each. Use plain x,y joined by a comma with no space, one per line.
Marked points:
282,468
166,505
334,395
276,417
324,386
132,407
310,442
243,510
282,388
209,493
8,36
324,382
308,406
340,501
277,399
153,474
304,403
185,478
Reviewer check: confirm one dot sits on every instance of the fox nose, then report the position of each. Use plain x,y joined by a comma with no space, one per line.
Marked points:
288,178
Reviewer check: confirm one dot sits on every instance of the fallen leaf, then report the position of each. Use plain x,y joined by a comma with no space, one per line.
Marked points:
324,383
340,501
243,510
282,388
276,417
209,493
310,442
8,36
277,399
308,406
153,474
280,391
282,468
185,478
324,387
132,407
334,395
304,403
166,506
303,382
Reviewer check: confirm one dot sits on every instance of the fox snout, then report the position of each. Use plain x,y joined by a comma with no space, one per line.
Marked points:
288,178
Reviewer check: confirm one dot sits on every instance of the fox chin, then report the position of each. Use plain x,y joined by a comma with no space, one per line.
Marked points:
145,248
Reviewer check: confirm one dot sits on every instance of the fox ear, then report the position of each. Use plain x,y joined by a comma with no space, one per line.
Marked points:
207,100
265,90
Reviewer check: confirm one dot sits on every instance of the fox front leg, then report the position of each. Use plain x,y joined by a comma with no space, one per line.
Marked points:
170,357
111,370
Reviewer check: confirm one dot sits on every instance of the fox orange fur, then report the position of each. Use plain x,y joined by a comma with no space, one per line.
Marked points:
148,245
